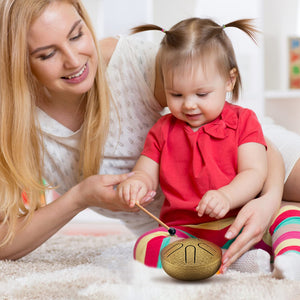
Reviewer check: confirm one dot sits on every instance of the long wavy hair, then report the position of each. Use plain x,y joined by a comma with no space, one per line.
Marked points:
197,39
21,145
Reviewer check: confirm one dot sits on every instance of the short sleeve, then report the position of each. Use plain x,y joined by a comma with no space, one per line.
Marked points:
250,129
154,141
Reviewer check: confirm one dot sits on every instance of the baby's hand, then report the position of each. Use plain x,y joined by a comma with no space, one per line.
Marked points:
214,203
131,191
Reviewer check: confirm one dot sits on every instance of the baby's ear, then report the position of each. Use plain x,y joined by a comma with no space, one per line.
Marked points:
232,79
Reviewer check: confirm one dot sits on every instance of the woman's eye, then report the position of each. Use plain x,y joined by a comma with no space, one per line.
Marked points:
176,95
76,37
44,57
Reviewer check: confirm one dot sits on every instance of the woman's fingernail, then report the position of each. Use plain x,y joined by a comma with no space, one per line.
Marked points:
147,199
228,235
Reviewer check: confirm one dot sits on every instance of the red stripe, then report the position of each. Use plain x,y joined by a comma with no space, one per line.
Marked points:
145,234
290,248
282,217
152,251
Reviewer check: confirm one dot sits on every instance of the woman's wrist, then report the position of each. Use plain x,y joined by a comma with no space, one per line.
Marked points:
78,196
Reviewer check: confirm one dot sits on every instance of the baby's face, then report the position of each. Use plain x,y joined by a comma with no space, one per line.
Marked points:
196,95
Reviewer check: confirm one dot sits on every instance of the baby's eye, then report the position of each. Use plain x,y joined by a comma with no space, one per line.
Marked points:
202,94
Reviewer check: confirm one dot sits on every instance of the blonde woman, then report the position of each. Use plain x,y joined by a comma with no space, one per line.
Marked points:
57,114
60,123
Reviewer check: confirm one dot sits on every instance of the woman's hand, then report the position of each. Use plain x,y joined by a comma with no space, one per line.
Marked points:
100,191
97,190
254,218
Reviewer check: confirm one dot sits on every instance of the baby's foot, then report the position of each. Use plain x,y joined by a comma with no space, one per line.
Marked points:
287,266
253,261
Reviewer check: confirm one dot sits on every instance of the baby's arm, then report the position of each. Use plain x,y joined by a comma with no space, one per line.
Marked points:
252,172
144,180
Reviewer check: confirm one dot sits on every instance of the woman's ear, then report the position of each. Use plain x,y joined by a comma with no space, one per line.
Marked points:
232,80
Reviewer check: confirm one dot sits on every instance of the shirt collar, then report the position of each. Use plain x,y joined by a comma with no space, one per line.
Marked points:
218,127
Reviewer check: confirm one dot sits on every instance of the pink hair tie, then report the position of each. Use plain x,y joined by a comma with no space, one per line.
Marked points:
163,30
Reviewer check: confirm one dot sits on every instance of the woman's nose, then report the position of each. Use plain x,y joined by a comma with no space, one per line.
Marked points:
71,58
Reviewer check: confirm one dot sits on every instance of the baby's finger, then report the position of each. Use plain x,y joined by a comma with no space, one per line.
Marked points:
134,190
216,211
126,194
202,206
222,213
201,209
141,194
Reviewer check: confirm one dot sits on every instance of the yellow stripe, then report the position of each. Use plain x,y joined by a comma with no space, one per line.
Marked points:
220,224
289,207
267,238
140,251
286,208
215,225
287,243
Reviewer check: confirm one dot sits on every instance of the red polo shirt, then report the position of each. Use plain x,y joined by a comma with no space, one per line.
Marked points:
191,163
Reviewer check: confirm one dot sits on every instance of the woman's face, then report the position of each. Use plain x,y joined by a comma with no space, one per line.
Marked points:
62,52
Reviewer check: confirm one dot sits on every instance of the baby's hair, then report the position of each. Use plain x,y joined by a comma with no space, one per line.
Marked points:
197,38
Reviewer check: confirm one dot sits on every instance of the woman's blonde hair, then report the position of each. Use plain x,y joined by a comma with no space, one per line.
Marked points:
198,39
21,146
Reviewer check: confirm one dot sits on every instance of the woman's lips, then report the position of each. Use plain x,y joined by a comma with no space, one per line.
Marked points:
78,77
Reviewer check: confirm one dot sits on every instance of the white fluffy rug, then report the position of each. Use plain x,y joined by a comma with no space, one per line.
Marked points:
89,267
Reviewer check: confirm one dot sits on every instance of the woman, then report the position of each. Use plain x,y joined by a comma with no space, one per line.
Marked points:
55,121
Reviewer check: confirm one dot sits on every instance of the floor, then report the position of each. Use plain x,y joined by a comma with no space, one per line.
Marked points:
91,223
95,229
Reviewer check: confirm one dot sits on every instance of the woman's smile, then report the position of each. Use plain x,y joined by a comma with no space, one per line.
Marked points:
79,76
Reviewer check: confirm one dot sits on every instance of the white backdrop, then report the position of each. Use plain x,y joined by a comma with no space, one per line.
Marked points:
112,17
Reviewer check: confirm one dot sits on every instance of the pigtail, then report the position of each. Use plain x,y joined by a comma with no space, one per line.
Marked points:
146,27
244,25
195,38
